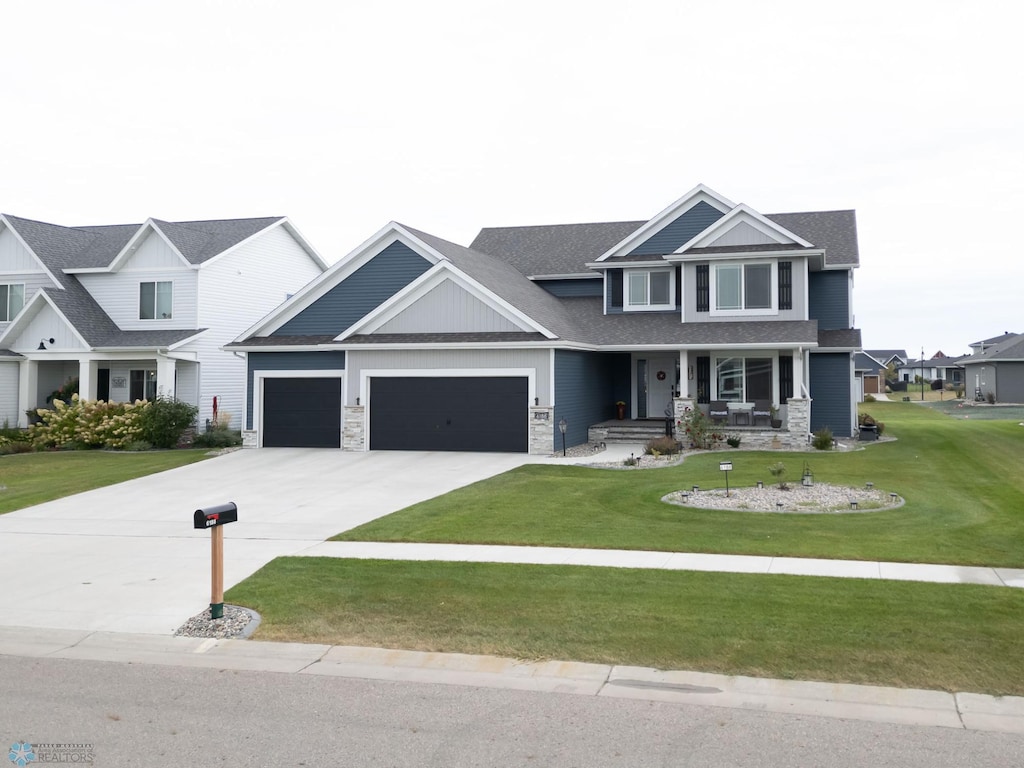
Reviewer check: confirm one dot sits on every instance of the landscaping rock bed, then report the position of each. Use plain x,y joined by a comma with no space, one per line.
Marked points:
818,499
237,622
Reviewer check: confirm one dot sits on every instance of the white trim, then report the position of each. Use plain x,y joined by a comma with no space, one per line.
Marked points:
698,194
24,301
744,213
573,276
730,255
257,393
337,274
368,373
133,244
426,282
17,236
604,267
19,321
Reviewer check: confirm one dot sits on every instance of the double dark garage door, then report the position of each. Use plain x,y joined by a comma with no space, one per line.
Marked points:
450,413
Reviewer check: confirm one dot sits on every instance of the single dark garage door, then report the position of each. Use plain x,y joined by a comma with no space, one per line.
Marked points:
449,413
302,413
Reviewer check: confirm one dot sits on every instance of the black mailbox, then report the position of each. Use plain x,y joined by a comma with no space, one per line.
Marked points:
216,515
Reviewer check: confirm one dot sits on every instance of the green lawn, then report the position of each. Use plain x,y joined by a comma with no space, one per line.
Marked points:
961,479
938,636
32,478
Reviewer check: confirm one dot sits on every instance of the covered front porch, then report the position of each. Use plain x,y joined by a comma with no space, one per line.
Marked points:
45,375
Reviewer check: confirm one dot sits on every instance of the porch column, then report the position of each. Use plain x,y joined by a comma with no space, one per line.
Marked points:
165,368
685,379
28,389
87,379
798,372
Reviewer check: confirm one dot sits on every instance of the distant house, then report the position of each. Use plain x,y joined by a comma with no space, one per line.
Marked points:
937,367
996,369
872,365
413,342
136,310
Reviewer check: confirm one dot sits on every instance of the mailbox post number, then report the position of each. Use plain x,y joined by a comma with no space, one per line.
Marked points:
213,518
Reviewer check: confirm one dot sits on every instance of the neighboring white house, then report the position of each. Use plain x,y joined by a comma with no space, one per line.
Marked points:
138,310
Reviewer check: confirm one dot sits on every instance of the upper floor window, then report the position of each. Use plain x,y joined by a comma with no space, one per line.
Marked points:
743,288
649,289
155,300
12,299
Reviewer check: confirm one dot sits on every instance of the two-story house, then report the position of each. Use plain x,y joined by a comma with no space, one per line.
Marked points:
413,342
137,310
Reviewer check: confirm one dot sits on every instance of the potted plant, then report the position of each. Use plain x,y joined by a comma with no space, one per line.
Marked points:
776,421
620,409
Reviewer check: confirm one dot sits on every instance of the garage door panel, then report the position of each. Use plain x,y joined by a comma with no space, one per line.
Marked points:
302,413
449,413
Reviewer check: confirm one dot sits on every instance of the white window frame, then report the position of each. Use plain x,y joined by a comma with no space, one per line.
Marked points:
647,306
8,315
773,289
156,299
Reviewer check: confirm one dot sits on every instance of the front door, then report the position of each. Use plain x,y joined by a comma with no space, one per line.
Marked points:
661,386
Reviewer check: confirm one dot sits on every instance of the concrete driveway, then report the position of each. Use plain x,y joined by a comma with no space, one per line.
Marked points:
126,559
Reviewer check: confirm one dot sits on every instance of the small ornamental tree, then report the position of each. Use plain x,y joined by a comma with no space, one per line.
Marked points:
698,429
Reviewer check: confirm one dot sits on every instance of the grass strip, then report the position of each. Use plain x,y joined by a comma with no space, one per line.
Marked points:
961,480
948,637
32,478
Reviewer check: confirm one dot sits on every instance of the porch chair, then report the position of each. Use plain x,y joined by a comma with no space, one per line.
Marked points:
718,412
762,410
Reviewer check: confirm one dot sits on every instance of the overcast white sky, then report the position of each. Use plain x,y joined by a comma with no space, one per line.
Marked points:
454,115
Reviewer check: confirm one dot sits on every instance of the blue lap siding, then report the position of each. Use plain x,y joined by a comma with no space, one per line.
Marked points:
287,361
681,231
358,294
832,404
587,385
829,296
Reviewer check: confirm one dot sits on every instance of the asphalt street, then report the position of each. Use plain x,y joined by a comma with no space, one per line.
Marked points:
161,716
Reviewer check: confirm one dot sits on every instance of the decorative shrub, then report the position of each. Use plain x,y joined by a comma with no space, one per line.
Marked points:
662,446
823,439
698,429
164,421
867,420
217,438
86,424
778,471
733,441
990,398
869,398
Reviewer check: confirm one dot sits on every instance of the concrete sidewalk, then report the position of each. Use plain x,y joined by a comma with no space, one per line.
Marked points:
857,702
675,561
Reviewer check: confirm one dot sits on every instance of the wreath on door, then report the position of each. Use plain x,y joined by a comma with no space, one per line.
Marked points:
661,375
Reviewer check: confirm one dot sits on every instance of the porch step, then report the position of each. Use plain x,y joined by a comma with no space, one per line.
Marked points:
634,431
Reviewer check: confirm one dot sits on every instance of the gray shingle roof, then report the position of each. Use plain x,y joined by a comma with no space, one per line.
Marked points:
844,338
1011,347
566,248
91,247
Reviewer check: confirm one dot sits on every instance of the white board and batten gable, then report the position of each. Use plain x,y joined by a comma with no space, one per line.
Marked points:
41,319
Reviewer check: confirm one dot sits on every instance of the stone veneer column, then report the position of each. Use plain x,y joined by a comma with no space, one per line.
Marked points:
798,420
249,438
542,430
353,429
679,407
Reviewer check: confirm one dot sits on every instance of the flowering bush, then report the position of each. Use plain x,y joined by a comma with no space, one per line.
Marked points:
87,424
698,429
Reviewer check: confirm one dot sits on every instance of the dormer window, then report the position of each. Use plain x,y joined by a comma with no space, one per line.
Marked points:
649,289
155,300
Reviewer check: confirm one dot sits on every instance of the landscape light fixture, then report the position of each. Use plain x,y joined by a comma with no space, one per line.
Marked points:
853,504
892,497
696,488
562,424
760,483
870,486
778,505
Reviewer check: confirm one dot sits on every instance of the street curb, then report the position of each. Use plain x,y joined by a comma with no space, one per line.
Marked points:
970,711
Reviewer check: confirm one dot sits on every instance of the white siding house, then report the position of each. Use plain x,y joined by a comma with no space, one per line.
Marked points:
139,310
